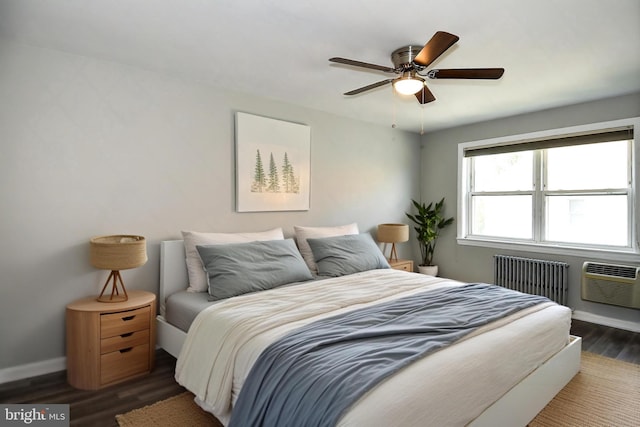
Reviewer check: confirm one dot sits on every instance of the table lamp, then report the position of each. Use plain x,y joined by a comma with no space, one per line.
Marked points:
115,253
393,233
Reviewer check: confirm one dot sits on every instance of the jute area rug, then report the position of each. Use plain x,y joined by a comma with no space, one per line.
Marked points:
605,393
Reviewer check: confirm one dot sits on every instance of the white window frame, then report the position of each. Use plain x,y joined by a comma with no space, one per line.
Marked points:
631,254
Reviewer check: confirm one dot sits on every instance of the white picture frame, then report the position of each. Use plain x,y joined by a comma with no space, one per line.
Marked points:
273,159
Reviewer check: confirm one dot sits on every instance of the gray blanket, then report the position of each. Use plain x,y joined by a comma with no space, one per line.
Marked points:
311,376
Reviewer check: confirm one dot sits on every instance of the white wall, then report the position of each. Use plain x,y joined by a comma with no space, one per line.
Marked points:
89,147
439,179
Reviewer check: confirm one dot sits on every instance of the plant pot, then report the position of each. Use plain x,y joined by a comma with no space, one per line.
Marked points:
431,270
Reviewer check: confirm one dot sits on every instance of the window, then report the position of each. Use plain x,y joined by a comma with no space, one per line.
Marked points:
564,189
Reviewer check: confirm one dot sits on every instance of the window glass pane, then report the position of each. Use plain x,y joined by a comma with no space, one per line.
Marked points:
591,166
504,172
600,220
502,216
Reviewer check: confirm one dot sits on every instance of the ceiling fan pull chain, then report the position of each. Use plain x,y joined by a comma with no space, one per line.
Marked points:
422,119
393,107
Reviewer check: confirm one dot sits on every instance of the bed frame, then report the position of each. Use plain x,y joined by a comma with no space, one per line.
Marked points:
516,408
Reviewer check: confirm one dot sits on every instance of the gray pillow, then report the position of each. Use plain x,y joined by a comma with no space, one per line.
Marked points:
341,255
240,268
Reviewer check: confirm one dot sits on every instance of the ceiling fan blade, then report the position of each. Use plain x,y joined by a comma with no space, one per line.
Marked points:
363,64
368,87
425,96
467,73
439,43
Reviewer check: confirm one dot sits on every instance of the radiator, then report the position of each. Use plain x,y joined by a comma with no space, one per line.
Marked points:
532,276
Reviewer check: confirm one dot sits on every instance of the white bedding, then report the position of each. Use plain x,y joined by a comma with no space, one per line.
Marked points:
450,387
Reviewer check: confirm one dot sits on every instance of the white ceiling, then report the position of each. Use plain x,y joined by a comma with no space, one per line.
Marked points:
555,52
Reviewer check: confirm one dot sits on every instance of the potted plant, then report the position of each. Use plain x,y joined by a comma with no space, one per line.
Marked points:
429,221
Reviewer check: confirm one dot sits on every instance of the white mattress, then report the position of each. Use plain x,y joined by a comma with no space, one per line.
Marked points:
450,387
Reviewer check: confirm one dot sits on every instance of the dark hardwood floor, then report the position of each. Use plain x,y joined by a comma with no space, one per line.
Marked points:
99,408
609,342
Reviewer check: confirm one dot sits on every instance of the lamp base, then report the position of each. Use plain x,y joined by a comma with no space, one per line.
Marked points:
393,256
115,293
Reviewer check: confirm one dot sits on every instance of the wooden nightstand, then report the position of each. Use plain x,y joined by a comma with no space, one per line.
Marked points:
110,342
402,264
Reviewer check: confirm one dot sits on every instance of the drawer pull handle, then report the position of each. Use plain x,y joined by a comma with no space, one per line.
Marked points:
126,319
126,350
126,335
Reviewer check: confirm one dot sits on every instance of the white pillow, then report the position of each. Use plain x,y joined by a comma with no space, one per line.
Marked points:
197,275
304,233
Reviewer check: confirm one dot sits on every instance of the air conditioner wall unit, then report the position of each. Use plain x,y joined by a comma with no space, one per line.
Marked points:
611,284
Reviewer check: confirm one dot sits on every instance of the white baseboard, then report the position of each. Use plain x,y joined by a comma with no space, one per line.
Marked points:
29,370
627,325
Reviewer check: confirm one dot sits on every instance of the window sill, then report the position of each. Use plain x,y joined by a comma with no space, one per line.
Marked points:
600,254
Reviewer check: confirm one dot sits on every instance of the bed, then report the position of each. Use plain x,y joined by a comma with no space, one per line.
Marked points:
530,361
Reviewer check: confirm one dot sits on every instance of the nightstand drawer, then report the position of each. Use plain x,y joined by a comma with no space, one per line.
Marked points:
118,342
124,363
124,322
401,264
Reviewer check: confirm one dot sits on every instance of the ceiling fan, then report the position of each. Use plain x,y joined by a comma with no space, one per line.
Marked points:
411,63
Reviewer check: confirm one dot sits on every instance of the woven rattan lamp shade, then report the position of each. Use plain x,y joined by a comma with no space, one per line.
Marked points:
119,252
115,253
393,233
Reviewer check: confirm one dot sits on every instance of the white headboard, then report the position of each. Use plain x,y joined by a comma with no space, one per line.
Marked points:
173,269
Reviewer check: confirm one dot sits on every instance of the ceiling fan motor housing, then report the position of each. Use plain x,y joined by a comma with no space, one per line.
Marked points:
402,58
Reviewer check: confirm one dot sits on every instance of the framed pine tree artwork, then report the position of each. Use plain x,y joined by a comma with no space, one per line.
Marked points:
272,164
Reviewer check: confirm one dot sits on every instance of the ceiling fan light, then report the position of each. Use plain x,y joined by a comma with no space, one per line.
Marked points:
408,85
